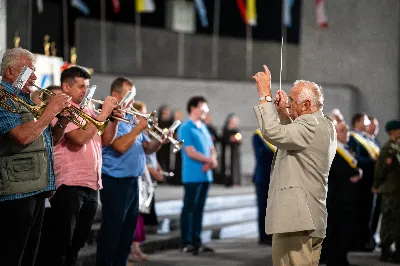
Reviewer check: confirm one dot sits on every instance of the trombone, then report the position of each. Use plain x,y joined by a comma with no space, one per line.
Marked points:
76,112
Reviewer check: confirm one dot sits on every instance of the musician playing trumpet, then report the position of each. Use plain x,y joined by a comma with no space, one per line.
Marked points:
27,175
124,161
77,165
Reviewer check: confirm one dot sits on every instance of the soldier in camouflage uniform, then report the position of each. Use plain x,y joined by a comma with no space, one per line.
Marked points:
387,184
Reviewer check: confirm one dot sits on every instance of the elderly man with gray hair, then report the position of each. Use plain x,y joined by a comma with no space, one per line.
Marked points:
306,145
26,160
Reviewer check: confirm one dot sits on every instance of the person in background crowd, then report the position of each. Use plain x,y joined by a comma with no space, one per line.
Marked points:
211,128
177,178
216,139
387,185
198,158
231,142
341,202
336,115
366,157
164,121
372,130
264,154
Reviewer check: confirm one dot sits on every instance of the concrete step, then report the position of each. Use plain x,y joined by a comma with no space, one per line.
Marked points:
218,210
174,207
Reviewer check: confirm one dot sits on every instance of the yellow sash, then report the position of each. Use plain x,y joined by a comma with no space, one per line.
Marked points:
272,147
346,157
365,143
375,148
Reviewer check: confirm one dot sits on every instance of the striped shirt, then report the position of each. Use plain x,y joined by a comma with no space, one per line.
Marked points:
9,121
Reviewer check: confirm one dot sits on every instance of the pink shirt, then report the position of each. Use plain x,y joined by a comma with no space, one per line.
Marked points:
76,165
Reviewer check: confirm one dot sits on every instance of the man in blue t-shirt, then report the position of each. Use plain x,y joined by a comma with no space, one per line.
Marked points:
198,158
123,162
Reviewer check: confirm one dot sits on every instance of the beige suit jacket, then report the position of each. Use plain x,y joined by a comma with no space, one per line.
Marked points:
299,175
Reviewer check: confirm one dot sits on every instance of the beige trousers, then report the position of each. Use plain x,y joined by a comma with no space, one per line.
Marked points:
296,248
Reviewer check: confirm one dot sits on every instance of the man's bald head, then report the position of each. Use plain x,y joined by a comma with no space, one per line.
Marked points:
306,97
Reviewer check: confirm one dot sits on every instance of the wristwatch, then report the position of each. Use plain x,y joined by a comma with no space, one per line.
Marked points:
266,98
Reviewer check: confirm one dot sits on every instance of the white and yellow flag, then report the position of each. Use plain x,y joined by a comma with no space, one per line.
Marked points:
145,6
251,12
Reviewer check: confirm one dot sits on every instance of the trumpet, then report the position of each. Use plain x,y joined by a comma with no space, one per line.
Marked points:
177,145
76,112
150,117
37,111
4,95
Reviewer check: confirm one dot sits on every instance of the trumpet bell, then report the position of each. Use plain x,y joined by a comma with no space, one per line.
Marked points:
101,127
151,120
178,146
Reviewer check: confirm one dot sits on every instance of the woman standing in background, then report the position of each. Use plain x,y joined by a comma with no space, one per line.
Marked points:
164,121
230,151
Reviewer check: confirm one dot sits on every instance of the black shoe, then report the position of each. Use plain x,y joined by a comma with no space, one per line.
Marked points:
205,249
385,255
188,249
202,249
195,252
395,258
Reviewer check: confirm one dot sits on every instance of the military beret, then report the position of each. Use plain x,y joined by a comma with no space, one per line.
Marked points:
392,125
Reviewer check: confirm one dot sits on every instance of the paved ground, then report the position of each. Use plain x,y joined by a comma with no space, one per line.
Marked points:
238,252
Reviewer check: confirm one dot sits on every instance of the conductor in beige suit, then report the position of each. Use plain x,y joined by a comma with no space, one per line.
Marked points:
306,142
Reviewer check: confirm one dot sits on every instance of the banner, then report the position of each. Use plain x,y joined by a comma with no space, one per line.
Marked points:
48,70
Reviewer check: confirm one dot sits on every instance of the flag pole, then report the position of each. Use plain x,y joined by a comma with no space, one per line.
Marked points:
181,53
65,30
249,49
284,41
29,37
103,39
138,29
215,40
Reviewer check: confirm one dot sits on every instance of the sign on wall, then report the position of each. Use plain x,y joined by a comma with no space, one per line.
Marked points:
48,70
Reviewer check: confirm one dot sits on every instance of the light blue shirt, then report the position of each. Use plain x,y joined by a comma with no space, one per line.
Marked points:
9,121
128,164
199,137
